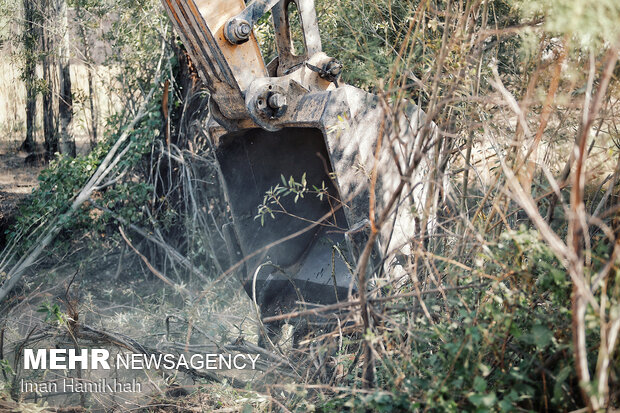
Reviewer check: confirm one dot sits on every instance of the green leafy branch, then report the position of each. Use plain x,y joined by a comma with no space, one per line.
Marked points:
272,200
52,313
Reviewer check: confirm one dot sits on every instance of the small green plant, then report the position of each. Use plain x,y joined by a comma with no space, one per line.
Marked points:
52,313
272,201
6,368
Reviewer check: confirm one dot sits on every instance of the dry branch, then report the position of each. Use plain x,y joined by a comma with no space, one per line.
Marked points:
111,160
108,164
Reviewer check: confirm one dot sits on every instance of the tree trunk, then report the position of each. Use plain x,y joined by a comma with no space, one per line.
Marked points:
50,129
67,142
92,96
50,122
29,73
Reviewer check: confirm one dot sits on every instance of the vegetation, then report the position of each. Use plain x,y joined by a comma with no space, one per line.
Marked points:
507,300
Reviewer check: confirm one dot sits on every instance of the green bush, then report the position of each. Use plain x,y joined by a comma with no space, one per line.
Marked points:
504,347
65,176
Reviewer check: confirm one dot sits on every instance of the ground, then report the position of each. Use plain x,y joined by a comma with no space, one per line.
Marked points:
130,302
17,180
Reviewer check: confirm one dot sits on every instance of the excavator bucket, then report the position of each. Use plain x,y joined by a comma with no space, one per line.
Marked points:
295,148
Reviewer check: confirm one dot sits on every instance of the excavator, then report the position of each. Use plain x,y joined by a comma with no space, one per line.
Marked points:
296,148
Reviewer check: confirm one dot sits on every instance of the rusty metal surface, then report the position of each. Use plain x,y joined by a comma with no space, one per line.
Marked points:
235,74
225,69
310,33
291,88
240,26
245,60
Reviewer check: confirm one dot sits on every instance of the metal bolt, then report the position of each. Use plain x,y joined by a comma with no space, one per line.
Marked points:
243,30
237,31
277,101
333,68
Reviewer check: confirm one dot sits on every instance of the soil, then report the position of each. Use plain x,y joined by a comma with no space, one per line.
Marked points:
131,302
17,180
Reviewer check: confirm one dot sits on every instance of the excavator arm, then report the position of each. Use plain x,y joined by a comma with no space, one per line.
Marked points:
292,120
218,35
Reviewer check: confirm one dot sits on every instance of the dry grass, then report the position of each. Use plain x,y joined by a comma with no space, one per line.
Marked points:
509,298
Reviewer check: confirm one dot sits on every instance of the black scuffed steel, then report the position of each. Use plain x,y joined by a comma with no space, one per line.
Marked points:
301,255
252,162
